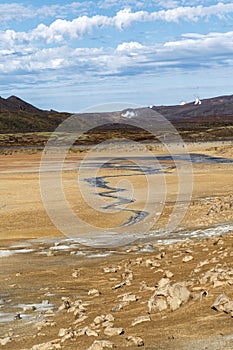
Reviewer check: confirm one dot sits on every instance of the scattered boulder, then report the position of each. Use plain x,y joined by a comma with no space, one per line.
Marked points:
168,295
223,303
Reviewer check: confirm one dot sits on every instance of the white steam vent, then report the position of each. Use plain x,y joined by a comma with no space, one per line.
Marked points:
129,114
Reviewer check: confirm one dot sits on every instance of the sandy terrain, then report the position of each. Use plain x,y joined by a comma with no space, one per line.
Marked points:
172,285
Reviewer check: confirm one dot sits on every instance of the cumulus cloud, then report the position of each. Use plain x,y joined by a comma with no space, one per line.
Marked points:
61,29
128,58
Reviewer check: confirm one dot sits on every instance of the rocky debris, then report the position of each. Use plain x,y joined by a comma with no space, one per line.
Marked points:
168,274
66,304
187,258
223,303
127,277
78,308
217,276
144,286
111,269
168,295
110,331
44,323
17,317
94,293
120,306
5,341
75,274
119,285
140,319
138,341
103,319
128,297
157,304
51,345
91,333
152,263
101,344
29,308
80,319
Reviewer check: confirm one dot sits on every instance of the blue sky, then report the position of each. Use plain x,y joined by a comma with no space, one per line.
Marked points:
70,55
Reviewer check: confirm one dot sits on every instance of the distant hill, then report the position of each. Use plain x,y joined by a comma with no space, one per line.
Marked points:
209,119
18,116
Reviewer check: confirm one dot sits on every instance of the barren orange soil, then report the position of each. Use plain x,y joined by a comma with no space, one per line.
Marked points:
69,284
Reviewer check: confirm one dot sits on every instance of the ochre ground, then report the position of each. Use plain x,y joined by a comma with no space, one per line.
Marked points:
27,278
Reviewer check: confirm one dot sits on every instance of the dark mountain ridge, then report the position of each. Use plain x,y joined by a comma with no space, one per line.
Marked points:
208,119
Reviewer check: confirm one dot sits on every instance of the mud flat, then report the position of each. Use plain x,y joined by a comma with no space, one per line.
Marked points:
159,292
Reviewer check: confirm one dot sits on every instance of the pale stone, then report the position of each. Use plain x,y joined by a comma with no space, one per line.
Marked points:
109,331
93,293
91,333
138,341
156,304
187,258
141,319
220,301
129,297
101,344
5,341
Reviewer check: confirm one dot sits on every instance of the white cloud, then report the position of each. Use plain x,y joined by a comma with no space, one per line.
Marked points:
19,12
127,58
61,29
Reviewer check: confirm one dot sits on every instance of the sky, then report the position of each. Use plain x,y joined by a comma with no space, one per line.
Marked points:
72,55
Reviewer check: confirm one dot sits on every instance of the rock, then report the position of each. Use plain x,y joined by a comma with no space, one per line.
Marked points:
110,331
163,282
140,319
91,333
66,304
119,285
93,293
62,332
17,317
120,306
168,274
99,319
5,341
109,317
101,344
178,295
129,297
152,263
187,258
79,332
111,269
80,319
144,286
29,308
75,274
220,302
107,324
156,304
218,284
138,341
51,345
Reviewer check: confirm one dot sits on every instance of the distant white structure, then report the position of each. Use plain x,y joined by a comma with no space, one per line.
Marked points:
151,106
197,101
182,103
129,114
